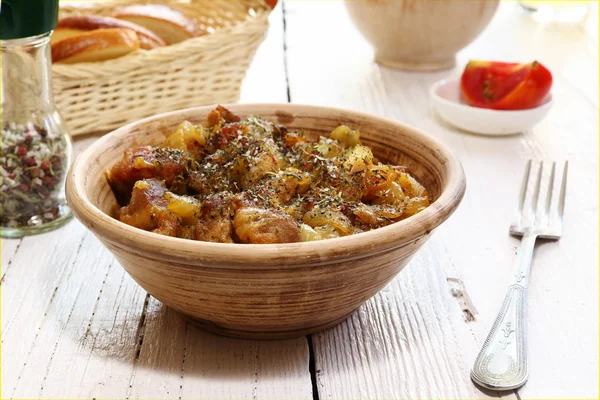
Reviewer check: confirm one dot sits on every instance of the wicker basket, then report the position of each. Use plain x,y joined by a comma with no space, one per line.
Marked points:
204,70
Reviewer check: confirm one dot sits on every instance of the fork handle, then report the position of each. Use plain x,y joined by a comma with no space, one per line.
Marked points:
502,360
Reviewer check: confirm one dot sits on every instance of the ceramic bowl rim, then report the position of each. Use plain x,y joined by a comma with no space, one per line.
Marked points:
302,254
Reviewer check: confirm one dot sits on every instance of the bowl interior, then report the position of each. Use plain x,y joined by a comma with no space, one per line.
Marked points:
93,202
389,143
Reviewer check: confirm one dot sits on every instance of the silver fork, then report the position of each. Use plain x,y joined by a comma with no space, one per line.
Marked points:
502,360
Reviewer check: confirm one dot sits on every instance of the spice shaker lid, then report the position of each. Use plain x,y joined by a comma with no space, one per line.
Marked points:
25,18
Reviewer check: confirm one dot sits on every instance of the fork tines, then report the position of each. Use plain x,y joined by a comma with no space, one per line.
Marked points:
529,217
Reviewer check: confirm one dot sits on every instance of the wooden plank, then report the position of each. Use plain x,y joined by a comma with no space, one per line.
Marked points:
404,343
191,363
260,369
9,249
60,352
29,270
76,325
101,363
162,346
282,370
28,291
569,131
38,265
386,349
265,80
86,320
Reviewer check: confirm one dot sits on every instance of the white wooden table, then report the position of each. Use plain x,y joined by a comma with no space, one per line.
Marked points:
75,325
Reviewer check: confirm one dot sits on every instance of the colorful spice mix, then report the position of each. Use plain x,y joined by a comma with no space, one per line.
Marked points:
34,165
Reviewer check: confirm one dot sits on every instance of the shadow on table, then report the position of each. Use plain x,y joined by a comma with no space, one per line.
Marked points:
169,345
95,317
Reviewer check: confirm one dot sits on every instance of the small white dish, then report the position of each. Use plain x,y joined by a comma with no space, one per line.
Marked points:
446,99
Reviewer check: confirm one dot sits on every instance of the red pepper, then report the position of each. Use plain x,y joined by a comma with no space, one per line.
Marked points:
47,181
45,165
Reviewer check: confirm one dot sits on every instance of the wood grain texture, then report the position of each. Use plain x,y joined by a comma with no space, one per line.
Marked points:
564,286
260,369
9,248
92,324
75,325
404,343
162,350
412,340
28,292
265,80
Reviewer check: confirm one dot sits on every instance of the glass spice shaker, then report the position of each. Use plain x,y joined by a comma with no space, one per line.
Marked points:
36,146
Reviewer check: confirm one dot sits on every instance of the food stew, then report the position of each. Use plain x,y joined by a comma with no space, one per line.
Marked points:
235,180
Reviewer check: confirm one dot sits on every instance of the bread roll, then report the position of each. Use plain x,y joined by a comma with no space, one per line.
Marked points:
96,45
78,24
171,25
63,33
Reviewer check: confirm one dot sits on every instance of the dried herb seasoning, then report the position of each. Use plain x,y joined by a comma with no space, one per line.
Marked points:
248,180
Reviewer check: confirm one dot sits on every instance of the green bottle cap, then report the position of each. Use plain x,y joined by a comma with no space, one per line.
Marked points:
24,18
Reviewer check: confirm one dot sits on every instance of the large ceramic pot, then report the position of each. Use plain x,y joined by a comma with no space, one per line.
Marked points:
420,34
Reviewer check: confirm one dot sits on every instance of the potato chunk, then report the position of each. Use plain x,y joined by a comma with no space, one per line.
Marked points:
366,214
411,187
308,234
357,158
415,205
148,208
259,225
391,194
280,188
262,158
322,217
328,148
185,207
327,232
187,137
378,179
345,136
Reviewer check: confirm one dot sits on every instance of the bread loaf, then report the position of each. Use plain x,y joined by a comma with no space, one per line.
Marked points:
96,45
78,24
171,25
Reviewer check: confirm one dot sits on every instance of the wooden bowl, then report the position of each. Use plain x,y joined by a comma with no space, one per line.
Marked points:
272,290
